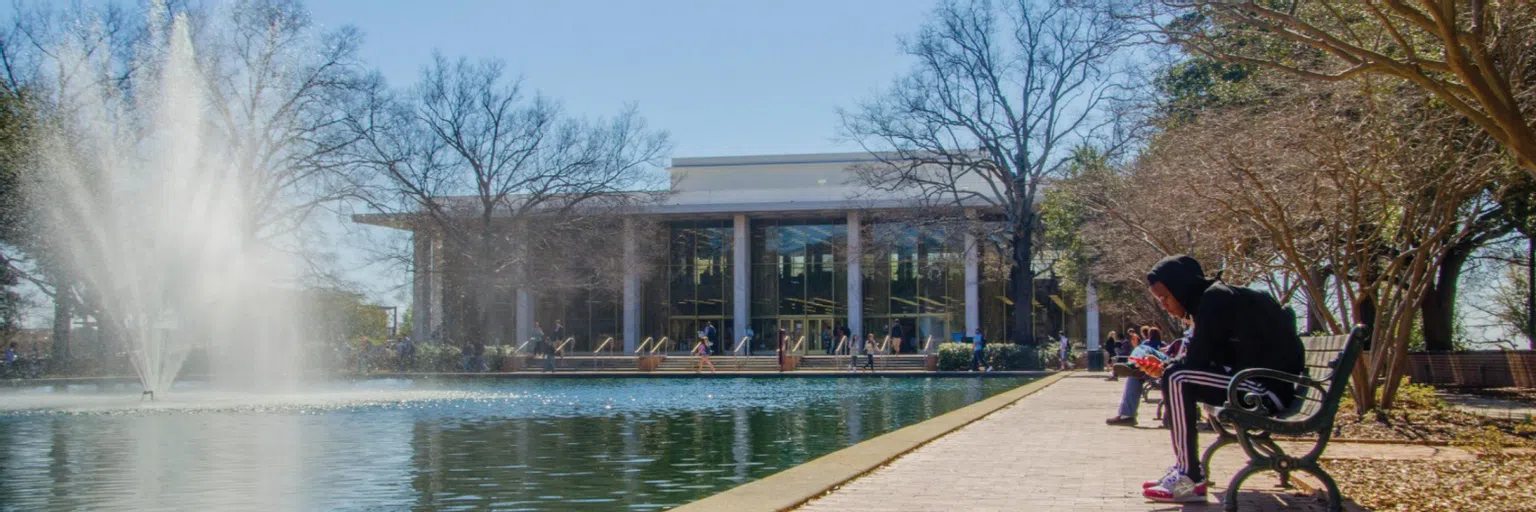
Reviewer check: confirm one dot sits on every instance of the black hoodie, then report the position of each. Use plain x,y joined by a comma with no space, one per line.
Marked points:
1236,328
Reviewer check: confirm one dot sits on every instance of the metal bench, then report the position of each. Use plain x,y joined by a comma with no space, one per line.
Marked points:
1242,421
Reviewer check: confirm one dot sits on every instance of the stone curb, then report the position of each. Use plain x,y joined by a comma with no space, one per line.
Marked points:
718,375
795,486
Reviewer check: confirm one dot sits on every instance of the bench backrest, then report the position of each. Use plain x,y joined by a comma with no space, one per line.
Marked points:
1329,360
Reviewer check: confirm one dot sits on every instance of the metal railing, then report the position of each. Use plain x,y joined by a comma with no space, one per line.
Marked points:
640,349
660,343
596,363
840,343
560,349
519,348
736,352
928,345
796,349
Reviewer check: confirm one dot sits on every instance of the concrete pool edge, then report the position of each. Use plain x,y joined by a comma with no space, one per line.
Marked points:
795,486
448,376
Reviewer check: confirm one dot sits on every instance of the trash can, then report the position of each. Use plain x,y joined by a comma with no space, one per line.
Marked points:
1096,361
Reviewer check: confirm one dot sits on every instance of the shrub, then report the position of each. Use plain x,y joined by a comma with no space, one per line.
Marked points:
999,356
1410,396
438,357
954,357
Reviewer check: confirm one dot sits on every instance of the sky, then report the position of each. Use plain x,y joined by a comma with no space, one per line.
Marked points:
724,78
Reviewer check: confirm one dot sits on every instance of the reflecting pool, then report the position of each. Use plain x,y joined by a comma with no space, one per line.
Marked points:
555,444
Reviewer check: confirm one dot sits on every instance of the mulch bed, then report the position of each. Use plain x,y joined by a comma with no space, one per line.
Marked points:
1493,483
1436,425
1496,481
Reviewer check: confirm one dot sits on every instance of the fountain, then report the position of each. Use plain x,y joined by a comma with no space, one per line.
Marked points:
144,200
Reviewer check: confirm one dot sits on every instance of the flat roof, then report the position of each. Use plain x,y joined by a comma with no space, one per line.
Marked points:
800,159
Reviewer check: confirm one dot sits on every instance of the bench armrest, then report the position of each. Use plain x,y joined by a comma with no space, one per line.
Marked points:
1251,402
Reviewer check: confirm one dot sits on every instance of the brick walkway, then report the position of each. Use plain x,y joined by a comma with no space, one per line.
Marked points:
1052,451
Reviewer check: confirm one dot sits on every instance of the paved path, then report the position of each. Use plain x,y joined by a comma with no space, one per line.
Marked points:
1052,451
1490,407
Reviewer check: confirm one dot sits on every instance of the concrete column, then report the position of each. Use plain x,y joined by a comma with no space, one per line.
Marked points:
524,315
421,287
741,293
1092,329
972,283
524,310
855,275
631,289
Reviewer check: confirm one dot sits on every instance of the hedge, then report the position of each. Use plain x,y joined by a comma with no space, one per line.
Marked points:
998,356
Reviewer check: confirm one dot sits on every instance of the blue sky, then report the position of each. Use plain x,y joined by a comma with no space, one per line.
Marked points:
725,78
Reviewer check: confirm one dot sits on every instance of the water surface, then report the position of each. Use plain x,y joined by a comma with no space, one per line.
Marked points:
567,444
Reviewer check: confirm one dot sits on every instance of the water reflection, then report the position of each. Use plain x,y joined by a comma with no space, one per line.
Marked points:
557,445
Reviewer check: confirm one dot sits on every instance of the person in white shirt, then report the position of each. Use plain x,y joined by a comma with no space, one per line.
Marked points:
1066,348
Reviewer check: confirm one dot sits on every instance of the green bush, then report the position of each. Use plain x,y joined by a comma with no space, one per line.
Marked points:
954,357
999,356
438,357
1008,356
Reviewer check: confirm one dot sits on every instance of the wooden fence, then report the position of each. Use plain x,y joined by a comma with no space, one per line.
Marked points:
1490,369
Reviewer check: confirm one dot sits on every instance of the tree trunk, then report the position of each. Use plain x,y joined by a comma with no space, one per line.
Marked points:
1530,288
1438,310
1315,321
1364,388
63,317
1021,280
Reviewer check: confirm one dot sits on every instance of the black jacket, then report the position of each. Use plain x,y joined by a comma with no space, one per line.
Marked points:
1236,328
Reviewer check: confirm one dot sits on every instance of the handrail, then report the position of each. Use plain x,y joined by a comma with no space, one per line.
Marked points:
840,342
741,344
797,345
520,347
640,349
695,349
659,344
928,344
603,346
561,349
885,345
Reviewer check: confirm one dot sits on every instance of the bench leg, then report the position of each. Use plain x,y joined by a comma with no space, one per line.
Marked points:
1335,499
1222,440
1229,498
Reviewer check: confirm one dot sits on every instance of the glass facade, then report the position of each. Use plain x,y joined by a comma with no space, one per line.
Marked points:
590,316
700,281
799,280
914,279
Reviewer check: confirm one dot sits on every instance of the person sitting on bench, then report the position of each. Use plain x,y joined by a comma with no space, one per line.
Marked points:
1130,398
1236,329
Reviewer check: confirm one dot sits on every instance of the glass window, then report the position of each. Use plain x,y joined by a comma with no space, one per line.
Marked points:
699,275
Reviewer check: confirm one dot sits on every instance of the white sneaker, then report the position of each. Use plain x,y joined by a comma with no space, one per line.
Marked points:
1181,490
1167,478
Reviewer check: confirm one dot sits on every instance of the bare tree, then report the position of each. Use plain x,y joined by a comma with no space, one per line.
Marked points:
1372,186
279,86
274,84
999,96
1478,57
466,156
